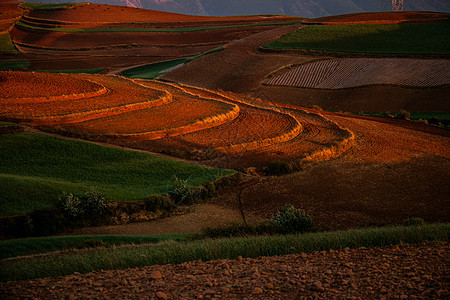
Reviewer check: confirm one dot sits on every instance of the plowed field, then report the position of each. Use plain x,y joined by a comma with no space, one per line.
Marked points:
353,72
166,117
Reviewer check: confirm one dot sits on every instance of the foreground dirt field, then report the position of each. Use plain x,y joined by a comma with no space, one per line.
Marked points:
400,272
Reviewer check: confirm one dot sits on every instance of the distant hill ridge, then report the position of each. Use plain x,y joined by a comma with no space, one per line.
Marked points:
301,8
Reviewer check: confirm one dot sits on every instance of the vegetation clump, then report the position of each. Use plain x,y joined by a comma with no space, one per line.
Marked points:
415,221
292,220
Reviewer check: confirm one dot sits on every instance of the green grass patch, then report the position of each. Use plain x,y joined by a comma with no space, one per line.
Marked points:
441,116
152,71
168,30
429,38
178,252
74,71
14,64
35,169
41,245
7,45
7,124
47,6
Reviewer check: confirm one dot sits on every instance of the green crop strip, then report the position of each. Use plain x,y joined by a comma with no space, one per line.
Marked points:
40,245
47,6
429,38
152,71
36,169
168,30
178,252
7,45
14,64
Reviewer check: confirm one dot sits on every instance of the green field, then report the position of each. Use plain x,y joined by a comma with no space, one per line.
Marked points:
152,71
36,169
47,6
39,245
177,252
14,64
7,45
430,38
169,30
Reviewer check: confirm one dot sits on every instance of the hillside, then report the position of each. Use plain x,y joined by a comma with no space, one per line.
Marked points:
301,8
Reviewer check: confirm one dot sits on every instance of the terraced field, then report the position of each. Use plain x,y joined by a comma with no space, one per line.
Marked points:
160,117
353,72
123,36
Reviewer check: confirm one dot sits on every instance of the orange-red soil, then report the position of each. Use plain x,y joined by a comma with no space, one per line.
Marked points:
381,18
397,272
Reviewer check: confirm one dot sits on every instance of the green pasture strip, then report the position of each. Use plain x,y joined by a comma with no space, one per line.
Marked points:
178,252
35,169
47,6
74,71
40,245
168,30
152,71
14,64
6,124
7,45
428,38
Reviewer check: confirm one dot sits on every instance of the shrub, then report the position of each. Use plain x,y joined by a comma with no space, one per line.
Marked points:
156,202
414,222
278,168
94,203
72,205
291,220
91,204
181,192
403,114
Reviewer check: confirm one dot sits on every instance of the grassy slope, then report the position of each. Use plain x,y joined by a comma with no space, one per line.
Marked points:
39,245
152,71
431,38
35,169
173,252
47,6
6,44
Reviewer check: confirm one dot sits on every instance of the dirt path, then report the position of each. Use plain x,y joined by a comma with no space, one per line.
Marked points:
197,218
400,272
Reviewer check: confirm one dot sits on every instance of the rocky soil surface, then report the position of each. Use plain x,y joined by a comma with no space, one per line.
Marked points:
399,272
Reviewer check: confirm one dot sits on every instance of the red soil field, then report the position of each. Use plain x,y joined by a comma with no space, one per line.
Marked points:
181,112
176,117
9,13
353,72
20,85
120,98
381,18
86,13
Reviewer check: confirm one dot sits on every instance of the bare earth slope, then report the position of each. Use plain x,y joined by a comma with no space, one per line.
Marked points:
400,272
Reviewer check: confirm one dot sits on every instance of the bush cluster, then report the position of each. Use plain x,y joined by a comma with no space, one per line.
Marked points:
93,203
183,193
286,221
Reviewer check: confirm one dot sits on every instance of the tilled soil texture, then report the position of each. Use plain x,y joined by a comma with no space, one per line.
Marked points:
37,36
354,72
399,272
242,68
227,130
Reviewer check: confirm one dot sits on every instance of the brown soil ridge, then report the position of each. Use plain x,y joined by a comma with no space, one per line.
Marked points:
397,272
